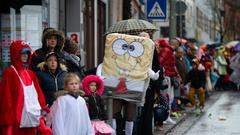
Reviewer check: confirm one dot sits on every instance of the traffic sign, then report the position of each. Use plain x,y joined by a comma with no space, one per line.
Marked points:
157,9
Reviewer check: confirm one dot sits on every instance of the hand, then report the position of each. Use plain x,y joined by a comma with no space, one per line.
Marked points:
43,129
179,78
45,108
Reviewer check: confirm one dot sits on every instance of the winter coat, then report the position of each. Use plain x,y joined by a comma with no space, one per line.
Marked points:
51,82
94,101
197,78
145,120
235,65
95,107
69,115
220,63
40,54
182,67
73,64
166,58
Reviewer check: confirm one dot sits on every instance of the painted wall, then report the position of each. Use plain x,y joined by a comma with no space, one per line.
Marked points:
54,13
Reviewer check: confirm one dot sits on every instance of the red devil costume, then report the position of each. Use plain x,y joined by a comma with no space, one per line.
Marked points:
17,82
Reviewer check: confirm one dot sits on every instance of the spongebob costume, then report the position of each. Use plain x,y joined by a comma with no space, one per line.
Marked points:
129,57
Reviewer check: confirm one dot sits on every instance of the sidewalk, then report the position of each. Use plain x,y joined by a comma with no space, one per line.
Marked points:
187,113
168,127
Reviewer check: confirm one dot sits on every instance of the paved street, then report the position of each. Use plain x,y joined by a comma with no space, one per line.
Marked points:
221,117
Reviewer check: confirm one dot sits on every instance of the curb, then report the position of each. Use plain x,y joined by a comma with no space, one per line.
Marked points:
178,122
169,127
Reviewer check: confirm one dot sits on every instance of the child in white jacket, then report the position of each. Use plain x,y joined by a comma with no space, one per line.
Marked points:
69,114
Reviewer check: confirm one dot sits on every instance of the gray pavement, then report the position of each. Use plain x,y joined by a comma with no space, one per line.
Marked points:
221,117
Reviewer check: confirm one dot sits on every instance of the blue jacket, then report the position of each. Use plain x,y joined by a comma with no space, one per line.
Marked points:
50,83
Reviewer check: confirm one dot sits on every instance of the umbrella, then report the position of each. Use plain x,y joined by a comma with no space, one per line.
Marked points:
237,47
181,40
231,44
132,27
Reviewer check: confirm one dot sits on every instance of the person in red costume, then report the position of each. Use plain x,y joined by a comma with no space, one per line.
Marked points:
167,60
21,98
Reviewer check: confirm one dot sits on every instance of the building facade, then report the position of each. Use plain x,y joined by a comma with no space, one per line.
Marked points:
88,20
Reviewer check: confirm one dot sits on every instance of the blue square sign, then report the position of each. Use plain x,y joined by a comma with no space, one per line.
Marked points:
157,9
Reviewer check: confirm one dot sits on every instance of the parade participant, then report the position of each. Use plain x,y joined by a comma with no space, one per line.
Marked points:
51,76
126,72
52,41
207,64
145,126
167,60
93,87
197,79
73,58
220,66
21,98
69,114
235,65
181,63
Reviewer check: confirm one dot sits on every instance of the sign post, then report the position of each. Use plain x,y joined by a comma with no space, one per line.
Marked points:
157,9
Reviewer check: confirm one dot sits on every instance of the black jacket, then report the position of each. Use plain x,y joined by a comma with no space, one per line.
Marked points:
40,54
96,108
197,78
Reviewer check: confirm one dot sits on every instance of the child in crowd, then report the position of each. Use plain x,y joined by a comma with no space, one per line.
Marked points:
51,76
93,87
197,79
52,41
21,98
69,114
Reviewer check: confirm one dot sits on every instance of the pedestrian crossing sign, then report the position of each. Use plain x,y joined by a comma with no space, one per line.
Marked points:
156,9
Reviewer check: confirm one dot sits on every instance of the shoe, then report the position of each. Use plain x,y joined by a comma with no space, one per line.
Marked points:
169,120
159,128
201,109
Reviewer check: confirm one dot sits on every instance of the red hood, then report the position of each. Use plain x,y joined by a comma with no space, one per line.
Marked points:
163,43
87,80
15,53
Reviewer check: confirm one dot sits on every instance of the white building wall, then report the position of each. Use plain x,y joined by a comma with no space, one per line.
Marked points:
204,6
54,13
192,30
190,19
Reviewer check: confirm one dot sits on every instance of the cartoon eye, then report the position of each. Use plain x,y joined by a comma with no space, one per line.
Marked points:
25,43
135,49
124,46
131,48
120,46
